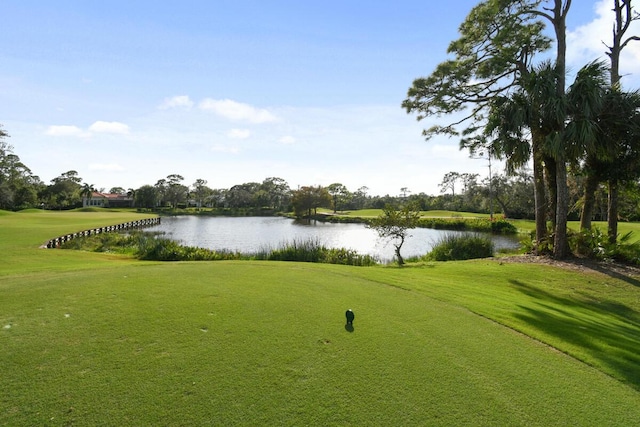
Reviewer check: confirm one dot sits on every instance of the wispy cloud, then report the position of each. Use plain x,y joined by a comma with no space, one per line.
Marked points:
287,140
97,127
64,130
219,148
109,127
181,101
590,41
239,133
237,111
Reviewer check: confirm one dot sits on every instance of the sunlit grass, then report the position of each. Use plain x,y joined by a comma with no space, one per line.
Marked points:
93,339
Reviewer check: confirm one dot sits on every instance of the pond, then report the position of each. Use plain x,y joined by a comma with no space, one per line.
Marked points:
253,234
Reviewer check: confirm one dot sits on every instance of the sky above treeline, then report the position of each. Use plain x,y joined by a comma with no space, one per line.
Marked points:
126,93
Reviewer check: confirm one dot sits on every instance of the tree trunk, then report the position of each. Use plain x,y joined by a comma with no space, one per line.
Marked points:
561,243
398,247
539,197
612,212
590,187
550,170
503,206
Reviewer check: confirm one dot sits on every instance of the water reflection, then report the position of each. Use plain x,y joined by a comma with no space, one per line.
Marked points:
251,234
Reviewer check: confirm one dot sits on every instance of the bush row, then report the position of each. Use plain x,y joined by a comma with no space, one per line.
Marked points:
499,226
152,247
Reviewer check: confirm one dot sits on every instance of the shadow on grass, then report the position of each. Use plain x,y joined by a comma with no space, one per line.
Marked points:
606,333
611,270
349,328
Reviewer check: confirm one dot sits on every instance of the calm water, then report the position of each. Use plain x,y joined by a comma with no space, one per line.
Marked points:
252,234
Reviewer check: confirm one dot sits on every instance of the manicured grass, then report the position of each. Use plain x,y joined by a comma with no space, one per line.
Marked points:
95,339
527,226
22,233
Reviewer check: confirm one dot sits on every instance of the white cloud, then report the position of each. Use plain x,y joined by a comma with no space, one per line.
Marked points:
287,140
239,133
587,42
109,127
238,111
110,167
66,131
181,101
219,148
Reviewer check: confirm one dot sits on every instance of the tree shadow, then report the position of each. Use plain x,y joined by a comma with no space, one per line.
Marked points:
606,332
349,327
616,271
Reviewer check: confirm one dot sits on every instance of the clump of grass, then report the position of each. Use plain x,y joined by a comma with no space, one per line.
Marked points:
460,247
152,247
312,250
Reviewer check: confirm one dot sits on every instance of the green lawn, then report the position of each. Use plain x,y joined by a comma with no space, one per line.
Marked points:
523,226
97,339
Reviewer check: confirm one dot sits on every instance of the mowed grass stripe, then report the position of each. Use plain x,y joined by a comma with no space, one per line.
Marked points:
238,343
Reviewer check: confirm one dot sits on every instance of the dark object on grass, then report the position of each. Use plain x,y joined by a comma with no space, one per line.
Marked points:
350,317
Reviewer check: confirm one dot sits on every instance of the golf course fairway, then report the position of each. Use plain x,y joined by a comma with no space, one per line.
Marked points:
101,339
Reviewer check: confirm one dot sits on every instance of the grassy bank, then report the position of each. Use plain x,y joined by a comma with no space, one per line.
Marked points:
98,339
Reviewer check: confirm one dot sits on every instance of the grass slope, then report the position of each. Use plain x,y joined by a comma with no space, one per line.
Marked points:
98,340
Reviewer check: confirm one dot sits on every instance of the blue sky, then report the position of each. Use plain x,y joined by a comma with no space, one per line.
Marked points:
126,93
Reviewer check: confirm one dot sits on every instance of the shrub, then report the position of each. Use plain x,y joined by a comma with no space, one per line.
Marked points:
595,244
312,250
151,247
460,247
502,226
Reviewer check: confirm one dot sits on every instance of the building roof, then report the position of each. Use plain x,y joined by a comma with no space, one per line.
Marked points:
98,195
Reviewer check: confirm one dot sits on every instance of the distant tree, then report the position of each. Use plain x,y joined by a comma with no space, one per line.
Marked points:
146,197
218,197
306,200
277,192
338,194
64,191
161,192
394,224
360,197
175,192
87,191
243,196
514,194
449,182
18,186
200,191
118,190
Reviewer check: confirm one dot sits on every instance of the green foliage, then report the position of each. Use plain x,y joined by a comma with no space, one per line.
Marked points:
312,250
306,200
502,226
595,244
394,224
499,226
151,247
460,247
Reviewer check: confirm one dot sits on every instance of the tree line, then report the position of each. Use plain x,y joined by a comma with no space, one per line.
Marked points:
508,195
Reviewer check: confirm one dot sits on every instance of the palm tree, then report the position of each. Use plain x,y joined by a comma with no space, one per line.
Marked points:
616,159
525,126
87,191
521,127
